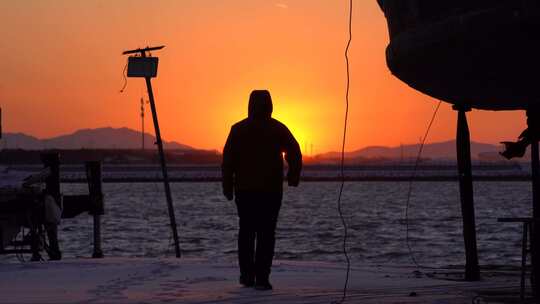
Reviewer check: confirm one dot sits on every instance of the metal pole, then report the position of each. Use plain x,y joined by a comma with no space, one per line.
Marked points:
463,149
163,167
535,237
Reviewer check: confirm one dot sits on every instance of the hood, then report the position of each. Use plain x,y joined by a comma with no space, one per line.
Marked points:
260,105
381,4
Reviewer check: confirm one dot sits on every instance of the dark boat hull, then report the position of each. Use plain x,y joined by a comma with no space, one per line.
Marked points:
477,53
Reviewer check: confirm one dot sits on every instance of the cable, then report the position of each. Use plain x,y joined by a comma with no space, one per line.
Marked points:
409,191
125,78
342,167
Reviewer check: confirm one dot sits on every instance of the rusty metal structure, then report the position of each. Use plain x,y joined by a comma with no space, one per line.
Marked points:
481,54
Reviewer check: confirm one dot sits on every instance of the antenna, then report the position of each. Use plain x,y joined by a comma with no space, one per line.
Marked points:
142,51
146,67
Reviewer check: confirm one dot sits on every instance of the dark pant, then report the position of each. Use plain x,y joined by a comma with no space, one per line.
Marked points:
258,214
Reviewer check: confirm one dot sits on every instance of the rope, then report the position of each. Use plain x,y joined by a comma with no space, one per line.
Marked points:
342,166
411,181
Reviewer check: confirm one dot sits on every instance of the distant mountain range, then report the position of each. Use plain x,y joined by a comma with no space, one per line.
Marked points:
101,138
125,138
440,150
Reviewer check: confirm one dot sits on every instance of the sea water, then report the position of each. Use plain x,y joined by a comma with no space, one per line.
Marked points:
136,223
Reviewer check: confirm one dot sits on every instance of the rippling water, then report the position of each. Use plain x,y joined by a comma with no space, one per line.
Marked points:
309,228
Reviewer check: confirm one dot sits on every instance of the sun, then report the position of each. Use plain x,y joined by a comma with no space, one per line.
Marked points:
301,132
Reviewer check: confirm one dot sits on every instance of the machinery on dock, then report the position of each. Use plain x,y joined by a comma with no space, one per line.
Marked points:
30,213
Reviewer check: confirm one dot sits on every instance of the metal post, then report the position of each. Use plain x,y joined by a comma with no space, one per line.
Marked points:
163,166
463,149
535,237
93,176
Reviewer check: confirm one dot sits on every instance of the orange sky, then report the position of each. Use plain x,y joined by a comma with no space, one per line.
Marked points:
62,70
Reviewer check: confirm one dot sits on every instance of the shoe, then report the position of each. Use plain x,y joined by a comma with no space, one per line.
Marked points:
247,282
263,285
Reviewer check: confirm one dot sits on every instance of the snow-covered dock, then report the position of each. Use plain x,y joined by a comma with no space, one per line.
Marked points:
145,280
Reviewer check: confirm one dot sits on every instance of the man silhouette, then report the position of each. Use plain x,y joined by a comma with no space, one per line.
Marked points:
253,169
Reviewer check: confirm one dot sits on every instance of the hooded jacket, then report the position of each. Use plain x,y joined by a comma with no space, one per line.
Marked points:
253,153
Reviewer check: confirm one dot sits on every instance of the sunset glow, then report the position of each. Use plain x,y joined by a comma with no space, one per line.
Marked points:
62,71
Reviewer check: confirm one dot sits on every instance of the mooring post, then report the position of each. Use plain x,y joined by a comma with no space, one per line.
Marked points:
159,143
463,151
52,187
93,176
533,121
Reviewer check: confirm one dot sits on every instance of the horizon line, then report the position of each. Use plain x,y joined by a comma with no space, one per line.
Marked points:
217,149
